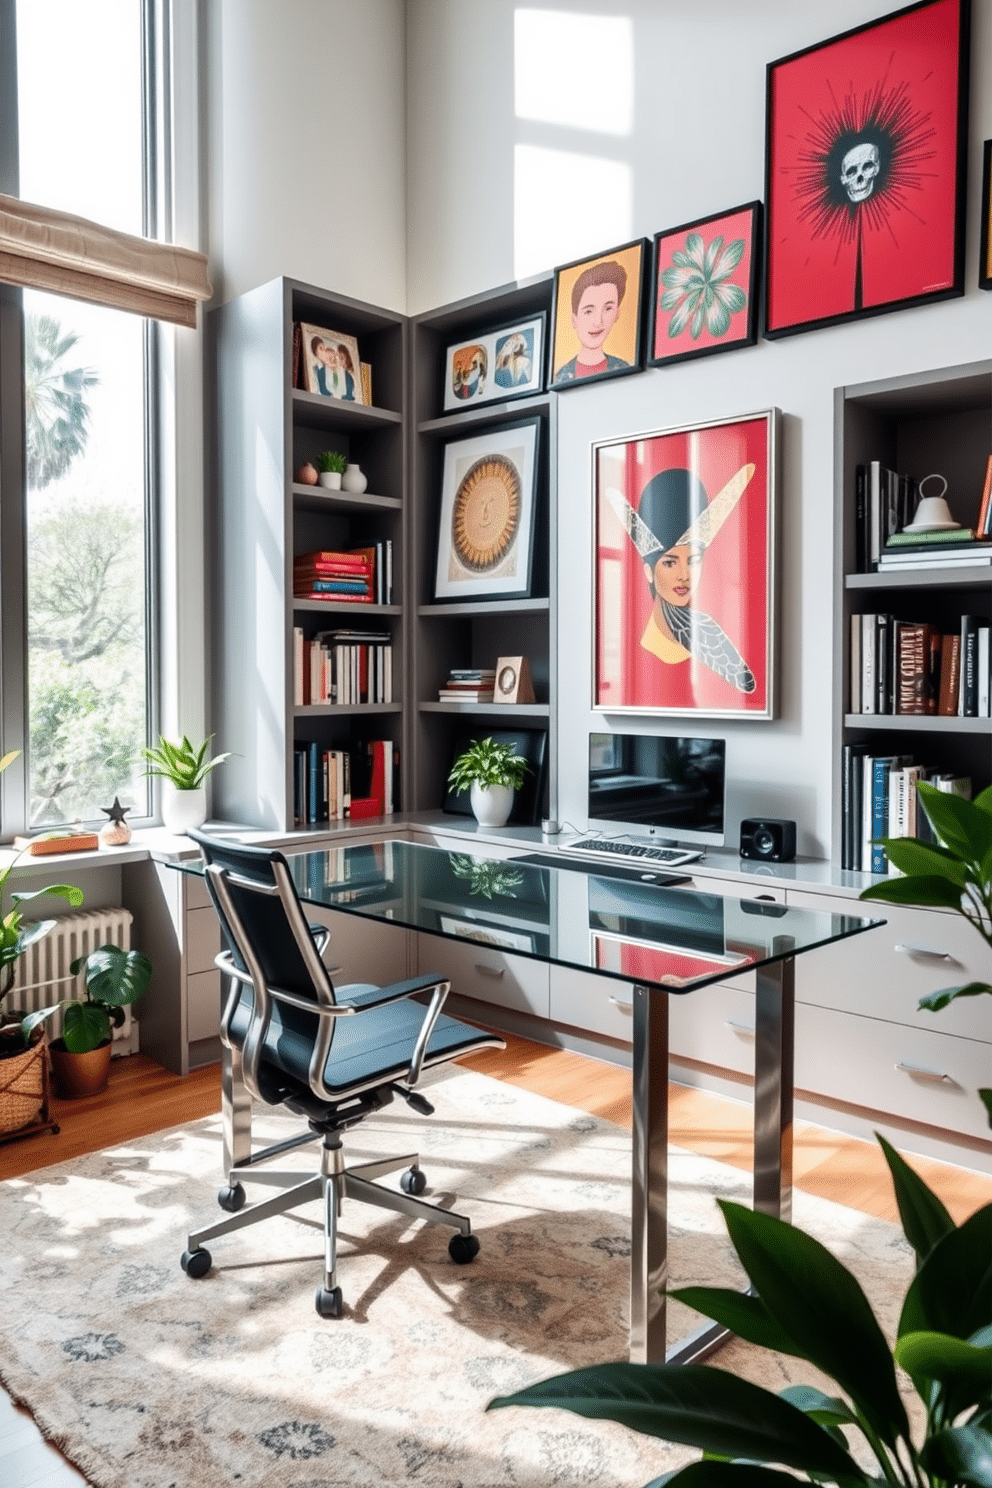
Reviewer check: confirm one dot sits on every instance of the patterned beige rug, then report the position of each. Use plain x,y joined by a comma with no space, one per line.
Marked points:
147,1379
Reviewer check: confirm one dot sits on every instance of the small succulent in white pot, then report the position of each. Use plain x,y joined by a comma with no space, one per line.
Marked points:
491,772
184,768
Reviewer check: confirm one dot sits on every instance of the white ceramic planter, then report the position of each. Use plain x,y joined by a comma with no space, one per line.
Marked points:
354,479
182,809
330,479
492,804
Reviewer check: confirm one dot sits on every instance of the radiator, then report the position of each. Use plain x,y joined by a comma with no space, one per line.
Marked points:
43,976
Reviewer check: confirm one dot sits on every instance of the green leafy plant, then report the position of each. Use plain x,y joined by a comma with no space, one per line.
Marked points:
486,876
113,978
15,936
804,1303
485,762
953,873
185,764
332,460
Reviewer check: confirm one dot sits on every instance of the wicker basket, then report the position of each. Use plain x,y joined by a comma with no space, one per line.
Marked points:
22,1086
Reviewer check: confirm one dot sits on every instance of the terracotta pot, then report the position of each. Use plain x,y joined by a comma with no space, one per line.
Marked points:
79,1075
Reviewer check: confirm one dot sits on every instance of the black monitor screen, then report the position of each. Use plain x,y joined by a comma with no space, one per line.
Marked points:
669,787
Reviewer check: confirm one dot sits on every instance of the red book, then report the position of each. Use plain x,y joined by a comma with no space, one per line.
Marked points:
326,556
983,526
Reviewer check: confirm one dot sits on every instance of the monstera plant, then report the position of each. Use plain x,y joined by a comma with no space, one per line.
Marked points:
953,873
804,1303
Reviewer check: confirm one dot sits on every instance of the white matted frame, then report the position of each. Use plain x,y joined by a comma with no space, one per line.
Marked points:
495,366
331,364
486,529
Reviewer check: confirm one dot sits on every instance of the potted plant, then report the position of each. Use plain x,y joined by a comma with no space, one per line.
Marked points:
331,464
804,1303
953,873
113,979
491,772
184,767
22,1061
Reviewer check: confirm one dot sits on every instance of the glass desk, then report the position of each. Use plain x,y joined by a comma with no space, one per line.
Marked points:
655,939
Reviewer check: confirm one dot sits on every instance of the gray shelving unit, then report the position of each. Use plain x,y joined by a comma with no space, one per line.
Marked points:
932,421
459,633
265,430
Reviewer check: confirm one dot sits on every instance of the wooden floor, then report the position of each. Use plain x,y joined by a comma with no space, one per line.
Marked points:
142,1098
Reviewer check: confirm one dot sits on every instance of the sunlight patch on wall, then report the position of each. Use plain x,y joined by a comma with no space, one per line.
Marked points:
575,70
565,205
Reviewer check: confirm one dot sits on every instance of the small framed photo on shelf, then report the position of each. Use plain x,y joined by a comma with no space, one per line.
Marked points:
684,573
331,364
985,256
704,294
597,317
866,139
507,363
486,533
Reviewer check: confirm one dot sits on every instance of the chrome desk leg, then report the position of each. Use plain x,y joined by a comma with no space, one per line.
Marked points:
649,1177
773,1081
236,1111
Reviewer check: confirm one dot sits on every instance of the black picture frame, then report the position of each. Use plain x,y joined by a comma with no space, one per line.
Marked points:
744,276
876,119
511,451
985,257
492,343
628,324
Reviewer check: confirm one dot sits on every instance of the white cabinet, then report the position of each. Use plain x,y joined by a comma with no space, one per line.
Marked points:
360,951
489,975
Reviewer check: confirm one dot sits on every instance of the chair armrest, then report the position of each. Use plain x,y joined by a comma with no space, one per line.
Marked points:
395,992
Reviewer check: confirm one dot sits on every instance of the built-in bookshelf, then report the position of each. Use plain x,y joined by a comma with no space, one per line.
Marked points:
267,616
938,422
461,634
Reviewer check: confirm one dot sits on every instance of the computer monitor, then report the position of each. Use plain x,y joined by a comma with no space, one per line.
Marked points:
660,788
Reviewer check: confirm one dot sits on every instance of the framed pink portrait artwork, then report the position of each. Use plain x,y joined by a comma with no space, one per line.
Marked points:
704,286
684,578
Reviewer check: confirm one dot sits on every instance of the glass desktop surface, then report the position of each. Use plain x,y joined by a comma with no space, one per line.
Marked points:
678,937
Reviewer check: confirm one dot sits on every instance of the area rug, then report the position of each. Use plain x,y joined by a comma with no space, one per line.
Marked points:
147,1379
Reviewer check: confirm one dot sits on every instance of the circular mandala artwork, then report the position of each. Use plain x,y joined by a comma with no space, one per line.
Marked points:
486,513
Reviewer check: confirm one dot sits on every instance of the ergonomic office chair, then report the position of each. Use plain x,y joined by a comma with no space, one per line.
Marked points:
331,1055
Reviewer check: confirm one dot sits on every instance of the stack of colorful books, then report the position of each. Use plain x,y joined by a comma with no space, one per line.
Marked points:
953,547
469,685
334,576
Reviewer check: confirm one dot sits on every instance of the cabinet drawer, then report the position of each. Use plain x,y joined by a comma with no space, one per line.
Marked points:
202,939
362,950
197,893
203,1006
593,1003
921,1076
489,975
883,973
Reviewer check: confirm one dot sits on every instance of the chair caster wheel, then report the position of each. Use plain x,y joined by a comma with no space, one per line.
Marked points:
463,1248
196,1263
329,1303
232,1197
413,1181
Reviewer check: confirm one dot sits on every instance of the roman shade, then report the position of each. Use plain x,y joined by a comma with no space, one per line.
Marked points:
54,251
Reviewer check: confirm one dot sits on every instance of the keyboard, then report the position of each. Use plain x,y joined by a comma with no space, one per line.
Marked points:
629,852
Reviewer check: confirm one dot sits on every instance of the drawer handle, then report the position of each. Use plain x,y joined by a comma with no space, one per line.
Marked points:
922,1073
335,971
618,1002
743,1030
490,971
915,950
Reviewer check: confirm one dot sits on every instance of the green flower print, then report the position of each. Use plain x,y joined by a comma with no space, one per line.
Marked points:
696,288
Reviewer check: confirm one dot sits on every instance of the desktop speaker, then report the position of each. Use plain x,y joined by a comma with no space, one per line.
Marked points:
769,840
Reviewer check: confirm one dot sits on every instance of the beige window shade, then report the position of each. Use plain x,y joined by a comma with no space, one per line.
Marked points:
49,250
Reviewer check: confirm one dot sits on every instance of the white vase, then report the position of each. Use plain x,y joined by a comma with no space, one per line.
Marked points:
354,479
330,479
492,804
182,809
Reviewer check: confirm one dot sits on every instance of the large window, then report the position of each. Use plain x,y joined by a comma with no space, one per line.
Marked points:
84,146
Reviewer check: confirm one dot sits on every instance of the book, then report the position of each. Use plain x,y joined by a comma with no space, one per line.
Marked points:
851,791
365,369
950,667
983,671
950,537
860,524
983,523
968,682
57,842
914,668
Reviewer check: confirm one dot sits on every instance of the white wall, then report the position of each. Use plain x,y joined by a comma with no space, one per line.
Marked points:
306,121
695,144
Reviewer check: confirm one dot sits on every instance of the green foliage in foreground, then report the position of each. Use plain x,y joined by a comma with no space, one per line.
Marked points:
114,978
954,873
805,1304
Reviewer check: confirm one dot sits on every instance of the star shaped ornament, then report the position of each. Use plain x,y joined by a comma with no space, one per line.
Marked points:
117,812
